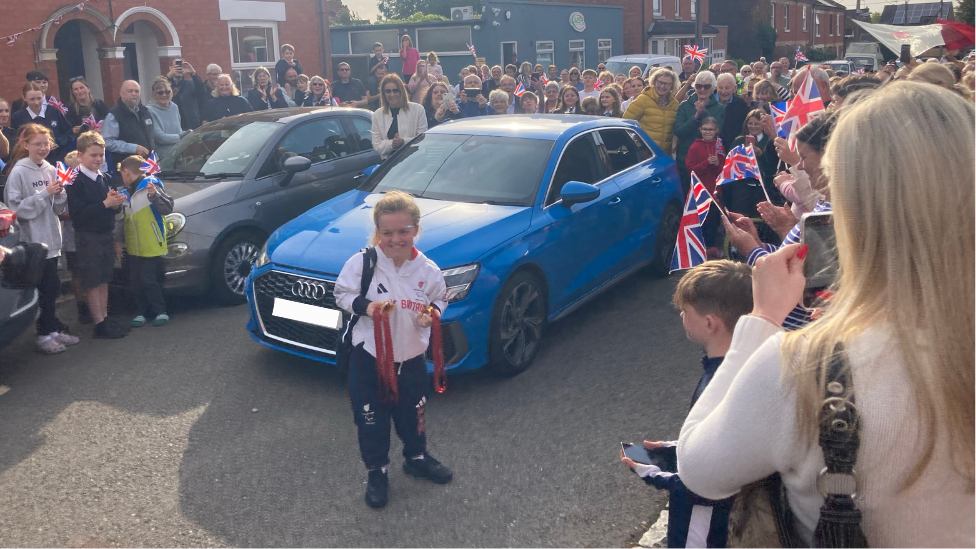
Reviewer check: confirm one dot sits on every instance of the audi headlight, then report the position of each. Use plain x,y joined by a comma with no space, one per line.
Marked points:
262,259
459,281
174,223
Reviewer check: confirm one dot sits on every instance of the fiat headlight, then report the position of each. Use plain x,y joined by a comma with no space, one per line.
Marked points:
174,223
459,281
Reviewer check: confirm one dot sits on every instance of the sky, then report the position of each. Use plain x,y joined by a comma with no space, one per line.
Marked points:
365,8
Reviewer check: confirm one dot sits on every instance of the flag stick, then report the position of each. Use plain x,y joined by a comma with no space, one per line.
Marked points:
718,204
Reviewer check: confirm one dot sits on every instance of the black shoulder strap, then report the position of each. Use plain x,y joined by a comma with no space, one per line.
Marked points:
369,266
840,519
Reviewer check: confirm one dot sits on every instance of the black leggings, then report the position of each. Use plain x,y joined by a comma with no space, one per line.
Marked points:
48,289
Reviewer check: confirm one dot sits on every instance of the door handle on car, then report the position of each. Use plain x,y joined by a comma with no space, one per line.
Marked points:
655,181
614,202
357,177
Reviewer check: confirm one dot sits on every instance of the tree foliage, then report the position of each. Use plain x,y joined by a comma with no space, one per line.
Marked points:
345,18
876,17
964,12
766,39
404,9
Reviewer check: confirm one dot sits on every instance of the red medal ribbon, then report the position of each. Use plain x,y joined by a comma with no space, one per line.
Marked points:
386,375
440,376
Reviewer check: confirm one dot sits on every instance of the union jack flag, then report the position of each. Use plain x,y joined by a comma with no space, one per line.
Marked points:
519,90
471,49
80,7
544,80
696,53
11,39
806,106
740,164
598,85
689,250
386,59
53,102
95,125
66,175
800,58
150,166
778,110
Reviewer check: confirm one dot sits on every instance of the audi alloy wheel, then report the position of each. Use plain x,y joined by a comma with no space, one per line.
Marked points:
517,324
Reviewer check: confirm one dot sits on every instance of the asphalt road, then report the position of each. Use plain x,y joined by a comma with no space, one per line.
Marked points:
154,440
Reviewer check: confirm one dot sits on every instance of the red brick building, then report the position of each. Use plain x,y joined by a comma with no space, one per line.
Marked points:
138,39
662,26
808,24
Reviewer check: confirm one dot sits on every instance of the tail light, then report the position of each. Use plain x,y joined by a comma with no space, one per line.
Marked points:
7,219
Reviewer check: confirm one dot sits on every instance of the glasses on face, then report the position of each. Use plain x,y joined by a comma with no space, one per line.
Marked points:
393,91
709,130
703,86
746,73
344,69
163,92
317,84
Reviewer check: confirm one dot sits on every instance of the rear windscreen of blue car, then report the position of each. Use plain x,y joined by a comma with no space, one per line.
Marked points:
466,168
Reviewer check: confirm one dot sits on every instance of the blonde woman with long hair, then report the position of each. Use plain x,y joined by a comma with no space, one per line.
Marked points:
902,313
397,120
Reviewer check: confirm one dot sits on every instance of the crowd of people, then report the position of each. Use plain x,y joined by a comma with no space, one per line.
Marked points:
890,150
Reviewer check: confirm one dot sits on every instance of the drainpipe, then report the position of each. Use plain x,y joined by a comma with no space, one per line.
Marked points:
324,52
644,37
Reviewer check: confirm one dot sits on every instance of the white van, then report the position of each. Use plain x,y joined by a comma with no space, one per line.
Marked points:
621,64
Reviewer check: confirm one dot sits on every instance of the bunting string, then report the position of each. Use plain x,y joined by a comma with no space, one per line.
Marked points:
12,39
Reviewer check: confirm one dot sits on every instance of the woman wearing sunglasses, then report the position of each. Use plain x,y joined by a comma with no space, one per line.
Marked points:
319,93
167,125
397,121
699,105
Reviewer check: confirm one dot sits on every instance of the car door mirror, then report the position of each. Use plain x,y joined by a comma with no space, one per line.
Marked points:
575,192
292,166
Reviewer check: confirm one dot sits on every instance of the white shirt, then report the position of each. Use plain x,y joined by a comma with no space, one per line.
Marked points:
584,94
91,175
743,429
410,124
40,114
416,285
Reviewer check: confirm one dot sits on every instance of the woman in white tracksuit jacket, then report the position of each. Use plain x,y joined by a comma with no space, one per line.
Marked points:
413,285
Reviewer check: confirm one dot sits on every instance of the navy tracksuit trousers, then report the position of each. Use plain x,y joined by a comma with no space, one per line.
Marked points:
373,416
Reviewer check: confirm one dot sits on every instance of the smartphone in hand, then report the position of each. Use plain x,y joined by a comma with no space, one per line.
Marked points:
821,264
659,457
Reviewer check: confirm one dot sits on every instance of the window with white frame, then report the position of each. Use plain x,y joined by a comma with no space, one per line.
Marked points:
654,48
445,40
252,44
707,44
694,9
772,15
804,18
677,48
603,49
657,7
677,9
816,24
786,17
577,54
544,52
840,29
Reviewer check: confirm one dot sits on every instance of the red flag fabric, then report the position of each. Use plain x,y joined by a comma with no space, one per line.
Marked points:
957,34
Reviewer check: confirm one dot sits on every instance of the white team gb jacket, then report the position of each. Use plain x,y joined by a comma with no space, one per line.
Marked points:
418,284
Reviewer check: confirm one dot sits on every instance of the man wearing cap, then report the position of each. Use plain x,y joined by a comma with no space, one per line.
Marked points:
38,77
128,128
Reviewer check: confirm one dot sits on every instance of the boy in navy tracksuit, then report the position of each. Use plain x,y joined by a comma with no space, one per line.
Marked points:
711,298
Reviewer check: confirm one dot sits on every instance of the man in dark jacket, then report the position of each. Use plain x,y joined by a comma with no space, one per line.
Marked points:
209,85
188,90
128,128
736,110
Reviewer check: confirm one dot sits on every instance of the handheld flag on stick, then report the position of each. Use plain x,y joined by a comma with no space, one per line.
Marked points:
53,102
95,125
778,110
519,90
696,53
598,85
689,250
544,80
806,106
66,175
799,57
151,165
741,164
471,49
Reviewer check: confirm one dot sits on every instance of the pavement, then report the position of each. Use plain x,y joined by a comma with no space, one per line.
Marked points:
192,434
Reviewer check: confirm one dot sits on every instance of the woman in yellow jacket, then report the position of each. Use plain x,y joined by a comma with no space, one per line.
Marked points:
656,109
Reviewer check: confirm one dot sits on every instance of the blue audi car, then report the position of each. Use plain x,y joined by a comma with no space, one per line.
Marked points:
529,216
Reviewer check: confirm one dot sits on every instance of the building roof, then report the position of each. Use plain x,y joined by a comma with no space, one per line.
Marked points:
830,4
670,27
918,14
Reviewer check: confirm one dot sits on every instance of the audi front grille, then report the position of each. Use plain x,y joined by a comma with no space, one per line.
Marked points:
301,289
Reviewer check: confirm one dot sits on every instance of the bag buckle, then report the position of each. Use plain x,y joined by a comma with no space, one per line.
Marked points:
837,484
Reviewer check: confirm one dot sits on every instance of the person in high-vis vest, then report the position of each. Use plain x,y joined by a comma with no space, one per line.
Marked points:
404,300
144,234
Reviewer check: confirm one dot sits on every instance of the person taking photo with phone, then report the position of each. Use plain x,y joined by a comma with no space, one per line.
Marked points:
406,294
711,298
883,382
439,105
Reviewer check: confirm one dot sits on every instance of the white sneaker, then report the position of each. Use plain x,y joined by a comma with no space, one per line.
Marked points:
49,346
65,339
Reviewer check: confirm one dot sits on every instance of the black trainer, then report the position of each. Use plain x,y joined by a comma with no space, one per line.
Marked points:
376,488
108,329
428,468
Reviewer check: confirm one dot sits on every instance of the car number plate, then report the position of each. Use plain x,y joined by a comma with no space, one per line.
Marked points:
309,314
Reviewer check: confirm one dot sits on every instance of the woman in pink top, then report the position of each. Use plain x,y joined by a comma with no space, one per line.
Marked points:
409,56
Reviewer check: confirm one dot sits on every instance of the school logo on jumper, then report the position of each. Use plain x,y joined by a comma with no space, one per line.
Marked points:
369,416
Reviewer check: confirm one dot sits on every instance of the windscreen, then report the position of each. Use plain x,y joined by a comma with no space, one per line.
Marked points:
466,168
221,147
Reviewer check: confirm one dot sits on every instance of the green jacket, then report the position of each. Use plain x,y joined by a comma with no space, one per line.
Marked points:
139,226
686,125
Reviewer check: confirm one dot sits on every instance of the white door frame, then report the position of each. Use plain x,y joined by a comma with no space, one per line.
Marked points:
502,52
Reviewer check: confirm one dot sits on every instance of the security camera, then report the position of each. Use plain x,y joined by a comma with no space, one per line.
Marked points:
496,24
